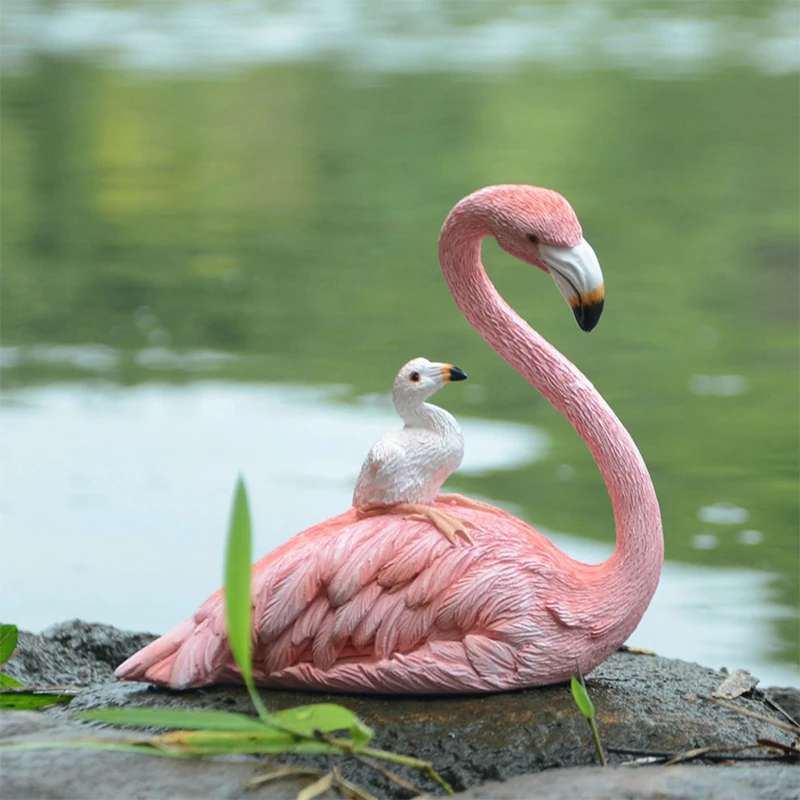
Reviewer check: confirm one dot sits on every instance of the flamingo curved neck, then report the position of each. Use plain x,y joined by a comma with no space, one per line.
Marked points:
624,584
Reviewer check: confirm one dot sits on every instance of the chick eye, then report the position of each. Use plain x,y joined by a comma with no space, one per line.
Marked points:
533,238
414,377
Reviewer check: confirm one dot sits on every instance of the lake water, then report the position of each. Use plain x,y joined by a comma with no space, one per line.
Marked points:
219,245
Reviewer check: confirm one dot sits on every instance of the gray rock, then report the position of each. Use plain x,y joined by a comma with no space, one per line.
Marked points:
96,774
643,703
787,698
73,653
734,782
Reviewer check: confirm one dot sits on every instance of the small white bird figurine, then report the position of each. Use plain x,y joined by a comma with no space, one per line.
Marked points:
406,467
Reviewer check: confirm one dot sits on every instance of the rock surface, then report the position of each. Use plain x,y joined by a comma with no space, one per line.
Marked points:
73,653
643,703
735,782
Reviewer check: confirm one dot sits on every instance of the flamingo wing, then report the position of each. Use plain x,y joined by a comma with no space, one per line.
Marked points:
385,605
390,606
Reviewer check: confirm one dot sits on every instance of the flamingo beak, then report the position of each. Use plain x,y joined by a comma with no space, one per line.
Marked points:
451,373
579,278
588,309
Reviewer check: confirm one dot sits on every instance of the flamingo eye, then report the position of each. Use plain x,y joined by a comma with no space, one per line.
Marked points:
414,377
533,238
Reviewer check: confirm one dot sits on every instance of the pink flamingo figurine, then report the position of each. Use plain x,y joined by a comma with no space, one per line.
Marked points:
375,601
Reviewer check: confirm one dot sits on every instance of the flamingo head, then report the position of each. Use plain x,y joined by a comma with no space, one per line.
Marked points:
538,226
419,379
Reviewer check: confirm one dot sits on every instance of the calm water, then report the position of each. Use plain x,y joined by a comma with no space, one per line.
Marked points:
254,198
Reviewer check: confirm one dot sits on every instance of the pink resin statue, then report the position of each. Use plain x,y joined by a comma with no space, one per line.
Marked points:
413,592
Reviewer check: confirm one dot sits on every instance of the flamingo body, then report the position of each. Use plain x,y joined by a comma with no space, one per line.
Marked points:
387,604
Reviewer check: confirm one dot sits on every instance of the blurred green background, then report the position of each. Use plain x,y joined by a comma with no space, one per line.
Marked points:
171,179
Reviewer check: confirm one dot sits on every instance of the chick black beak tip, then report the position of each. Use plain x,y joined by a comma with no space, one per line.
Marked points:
457,374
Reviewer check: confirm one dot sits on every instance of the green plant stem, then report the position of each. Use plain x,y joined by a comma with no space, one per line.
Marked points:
257,701
597,744
395,758
349,787
95,744
392,776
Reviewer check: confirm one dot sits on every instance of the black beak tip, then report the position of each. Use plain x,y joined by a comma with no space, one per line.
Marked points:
457,374
587,316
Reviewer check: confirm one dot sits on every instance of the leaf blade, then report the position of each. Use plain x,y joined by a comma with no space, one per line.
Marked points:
171,718
7,682
206,743
238,608
114,745
22,701
9,636
317,788
238,600
325,717
581,697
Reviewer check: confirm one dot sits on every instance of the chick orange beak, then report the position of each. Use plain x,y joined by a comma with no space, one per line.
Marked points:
451,373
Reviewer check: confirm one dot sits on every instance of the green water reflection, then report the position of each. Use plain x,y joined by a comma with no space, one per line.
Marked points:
289,213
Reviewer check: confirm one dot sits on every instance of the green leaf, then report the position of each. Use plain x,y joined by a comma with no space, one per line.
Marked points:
8,641
238,606
362,734
581,697
238,603
285,734
22,701
167,718
268,740
7,682
92,744
324,717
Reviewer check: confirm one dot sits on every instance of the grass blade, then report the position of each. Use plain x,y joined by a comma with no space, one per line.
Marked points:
7,682
8,641
238,604
581,697
211,743
324,717
317,788
26,701
169,718
114,745
238,608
